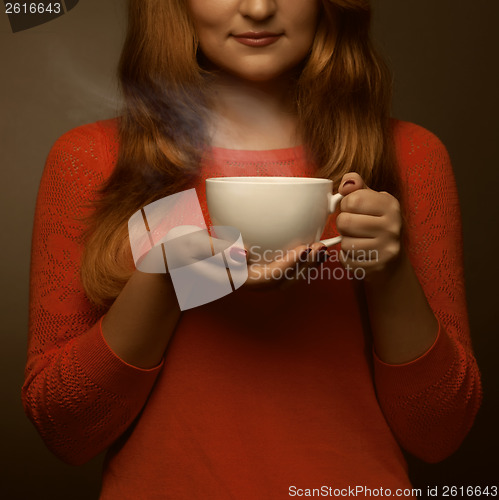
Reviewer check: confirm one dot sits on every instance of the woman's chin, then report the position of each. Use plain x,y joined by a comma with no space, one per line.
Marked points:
260,75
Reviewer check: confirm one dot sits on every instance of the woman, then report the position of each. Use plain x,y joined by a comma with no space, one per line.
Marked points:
277,387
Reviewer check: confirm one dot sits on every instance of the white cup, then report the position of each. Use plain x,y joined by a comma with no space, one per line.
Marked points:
273,214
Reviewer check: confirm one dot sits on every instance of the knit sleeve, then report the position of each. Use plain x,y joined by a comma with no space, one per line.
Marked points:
431,403
79,395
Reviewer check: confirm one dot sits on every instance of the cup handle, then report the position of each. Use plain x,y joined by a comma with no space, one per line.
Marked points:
333,200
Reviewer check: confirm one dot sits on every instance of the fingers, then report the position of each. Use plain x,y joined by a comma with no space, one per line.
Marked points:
303,255
238,254
359,225
287,269
359,253
364,201
358,249
359,198
315,255
268,274
369,254
351,182
290,258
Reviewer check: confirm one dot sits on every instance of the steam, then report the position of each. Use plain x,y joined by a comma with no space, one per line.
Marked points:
87,92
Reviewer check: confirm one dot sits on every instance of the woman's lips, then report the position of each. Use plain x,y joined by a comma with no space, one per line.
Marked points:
257,39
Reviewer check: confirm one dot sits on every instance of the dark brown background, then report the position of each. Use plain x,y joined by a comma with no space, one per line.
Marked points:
61,74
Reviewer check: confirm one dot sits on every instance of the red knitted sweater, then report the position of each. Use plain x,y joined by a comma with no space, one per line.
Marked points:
258,391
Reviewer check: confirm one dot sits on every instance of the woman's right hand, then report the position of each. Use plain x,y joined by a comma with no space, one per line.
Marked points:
286,270
190,245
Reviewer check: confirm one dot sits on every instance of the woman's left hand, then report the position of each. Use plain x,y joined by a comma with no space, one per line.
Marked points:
371,224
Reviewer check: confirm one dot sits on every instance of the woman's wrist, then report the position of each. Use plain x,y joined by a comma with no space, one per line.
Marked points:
377,279
139,324
403,324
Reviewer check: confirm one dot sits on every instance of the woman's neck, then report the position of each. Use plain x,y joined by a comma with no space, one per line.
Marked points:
253,115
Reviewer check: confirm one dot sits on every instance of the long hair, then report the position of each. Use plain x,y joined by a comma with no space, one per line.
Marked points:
343,97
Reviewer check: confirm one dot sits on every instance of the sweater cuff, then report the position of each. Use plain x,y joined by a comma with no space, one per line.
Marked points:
419,374
107,370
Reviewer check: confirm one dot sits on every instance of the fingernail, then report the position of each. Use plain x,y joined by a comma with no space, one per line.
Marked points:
238,254
347,182
322,256
303,256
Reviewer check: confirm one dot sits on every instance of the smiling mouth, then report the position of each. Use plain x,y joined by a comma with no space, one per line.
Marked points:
257,38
